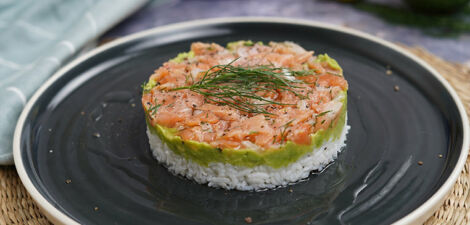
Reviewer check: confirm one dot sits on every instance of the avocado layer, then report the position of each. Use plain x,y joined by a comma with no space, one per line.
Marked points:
331,62
182,56
203,153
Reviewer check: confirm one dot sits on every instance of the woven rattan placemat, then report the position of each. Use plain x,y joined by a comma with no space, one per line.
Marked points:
17,207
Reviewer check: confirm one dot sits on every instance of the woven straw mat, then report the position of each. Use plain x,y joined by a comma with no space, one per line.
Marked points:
17,207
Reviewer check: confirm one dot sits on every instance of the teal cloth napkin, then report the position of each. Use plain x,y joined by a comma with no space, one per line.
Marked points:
36,38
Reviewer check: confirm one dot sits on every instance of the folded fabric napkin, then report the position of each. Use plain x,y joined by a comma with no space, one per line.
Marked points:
36,38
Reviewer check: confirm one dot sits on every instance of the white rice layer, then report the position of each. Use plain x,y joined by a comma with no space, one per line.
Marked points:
242,178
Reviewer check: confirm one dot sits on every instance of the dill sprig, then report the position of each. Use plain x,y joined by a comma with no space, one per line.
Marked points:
323,113
153,109
284,131
237,86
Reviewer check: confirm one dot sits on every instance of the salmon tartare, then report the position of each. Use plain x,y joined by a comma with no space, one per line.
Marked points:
248,116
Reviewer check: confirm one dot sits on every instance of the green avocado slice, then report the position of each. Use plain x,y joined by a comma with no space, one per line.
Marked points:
203,153
183,56
331,62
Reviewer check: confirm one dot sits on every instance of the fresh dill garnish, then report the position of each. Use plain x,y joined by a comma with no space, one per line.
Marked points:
284,130
237,86
323,113
153,110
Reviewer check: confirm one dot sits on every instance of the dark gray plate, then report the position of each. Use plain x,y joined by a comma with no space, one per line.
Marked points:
81,140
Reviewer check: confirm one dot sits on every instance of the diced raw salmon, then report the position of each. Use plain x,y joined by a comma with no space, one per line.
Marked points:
315,106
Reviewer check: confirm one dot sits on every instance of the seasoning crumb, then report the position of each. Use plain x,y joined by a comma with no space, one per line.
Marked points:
68,181
396,88
96,208
420,163
290,190
96,135
50,130
440,155
388,72
248,219
133,105
82,113
51,151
